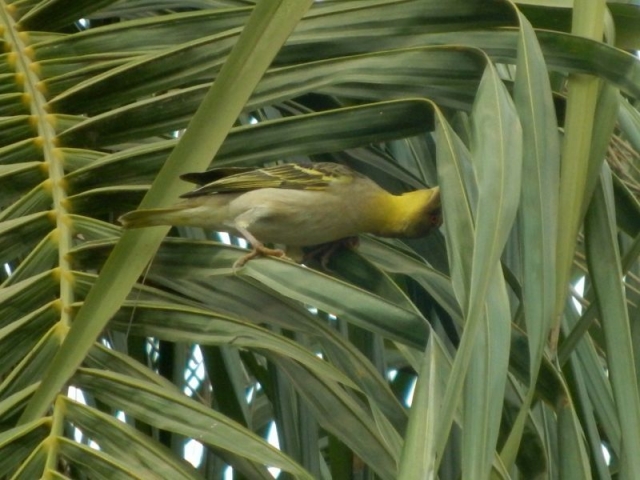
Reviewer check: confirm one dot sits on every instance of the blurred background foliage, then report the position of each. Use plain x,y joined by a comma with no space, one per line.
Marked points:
506,345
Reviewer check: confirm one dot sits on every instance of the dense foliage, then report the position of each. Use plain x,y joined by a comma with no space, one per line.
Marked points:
519,319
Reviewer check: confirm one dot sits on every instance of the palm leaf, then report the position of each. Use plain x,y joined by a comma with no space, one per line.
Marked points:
503,106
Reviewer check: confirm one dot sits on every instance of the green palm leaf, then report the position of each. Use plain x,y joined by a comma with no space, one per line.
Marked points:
503,106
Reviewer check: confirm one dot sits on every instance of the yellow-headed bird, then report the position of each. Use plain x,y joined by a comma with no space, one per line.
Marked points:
296,205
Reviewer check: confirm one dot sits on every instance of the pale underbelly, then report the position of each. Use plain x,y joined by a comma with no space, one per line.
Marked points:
298,218
301,233
294,217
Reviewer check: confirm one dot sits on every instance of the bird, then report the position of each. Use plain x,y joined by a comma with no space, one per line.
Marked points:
296,205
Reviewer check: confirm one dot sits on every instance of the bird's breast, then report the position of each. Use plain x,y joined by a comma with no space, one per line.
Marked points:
296,217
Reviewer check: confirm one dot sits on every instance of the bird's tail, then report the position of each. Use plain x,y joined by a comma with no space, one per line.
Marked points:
152,217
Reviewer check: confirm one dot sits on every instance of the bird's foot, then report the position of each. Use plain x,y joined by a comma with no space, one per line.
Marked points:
260,251
324,252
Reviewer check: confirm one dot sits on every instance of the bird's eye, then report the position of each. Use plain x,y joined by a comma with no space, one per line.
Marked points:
436,219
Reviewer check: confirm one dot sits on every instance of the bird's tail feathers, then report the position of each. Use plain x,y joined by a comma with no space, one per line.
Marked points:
151,217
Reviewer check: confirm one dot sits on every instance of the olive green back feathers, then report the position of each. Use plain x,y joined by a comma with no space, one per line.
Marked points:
316,176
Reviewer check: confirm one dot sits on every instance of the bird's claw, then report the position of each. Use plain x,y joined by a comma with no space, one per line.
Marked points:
260,251
325,251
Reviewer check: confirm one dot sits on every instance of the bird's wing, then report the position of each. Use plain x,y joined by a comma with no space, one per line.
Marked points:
312,176
203,178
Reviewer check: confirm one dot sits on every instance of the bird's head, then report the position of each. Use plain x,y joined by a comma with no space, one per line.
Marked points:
423,212
410,215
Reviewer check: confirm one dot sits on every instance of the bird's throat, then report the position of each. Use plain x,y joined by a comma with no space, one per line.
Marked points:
393,215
